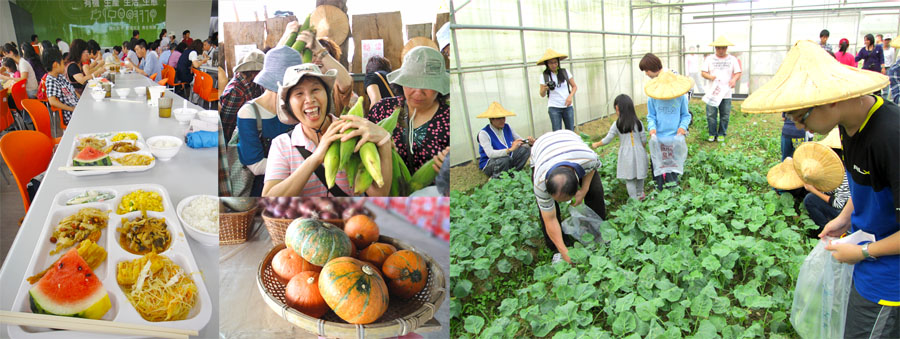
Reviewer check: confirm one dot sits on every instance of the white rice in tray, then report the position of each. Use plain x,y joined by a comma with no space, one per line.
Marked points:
202,213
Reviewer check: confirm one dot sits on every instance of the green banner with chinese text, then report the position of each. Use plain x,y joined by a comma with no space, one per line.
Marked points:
109,22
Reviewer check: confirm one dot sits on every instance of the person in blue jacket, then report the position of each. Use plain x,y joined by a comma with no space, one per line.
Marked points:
500,148
667,113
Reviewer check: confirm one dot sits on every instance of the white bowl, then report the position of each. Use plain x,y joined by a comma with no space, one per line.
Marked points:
123,92
203,237
209,116
141,91
184,115
98,94
164,153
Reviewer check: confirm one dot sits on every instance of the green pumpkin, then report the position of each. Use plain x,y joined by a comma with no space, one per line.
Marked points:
317,242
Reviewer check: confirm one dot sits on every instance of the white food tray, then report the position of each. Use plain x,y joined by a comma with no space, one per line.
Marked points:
144,150
121,311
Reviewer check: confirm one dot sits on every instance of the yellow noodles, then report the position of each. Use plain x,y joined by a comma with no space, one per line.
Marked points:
134,160
161,291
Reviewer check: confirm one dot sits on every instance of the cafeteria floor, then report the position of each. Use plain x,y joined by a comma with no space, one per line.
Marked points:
11,210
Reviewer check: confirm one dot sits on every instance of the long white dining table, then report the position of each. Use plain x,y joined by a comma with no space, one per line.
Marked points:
190,172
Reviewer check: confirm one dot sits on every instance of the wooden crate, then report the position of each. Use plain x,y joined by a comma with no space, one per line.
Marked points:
240,33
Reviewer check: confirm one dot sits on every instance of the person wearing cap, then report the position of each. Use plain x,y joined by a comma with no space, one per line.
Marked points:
500,148
842,56
240,89
889,53
819,93
443,38
631,164
257,123
720,67
823,40
871,54
564,168
894,74
295,158
423,130
667,114
559,97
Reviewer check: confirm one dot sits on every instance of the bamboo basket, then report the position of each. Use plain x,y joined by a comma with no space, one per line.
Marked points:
234,228
402,316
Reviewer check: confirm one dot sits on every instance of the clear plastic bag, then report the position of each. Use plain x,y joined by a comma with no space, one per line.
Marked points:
668,154
582,219
820,297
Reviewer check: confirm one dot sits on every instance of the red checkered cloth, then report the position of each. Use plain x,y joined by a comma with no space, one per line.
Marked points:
430,213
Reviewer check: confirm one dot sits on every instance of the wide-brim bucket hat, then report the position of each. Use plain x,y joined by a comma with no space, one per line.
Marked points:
423,68
292,77
668,85
277,60
551,54
810,77
252,61
495,110
721,41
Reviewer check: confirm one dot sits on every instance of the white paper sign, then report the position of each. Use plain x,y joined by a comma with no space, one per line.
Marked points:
371,48
241,50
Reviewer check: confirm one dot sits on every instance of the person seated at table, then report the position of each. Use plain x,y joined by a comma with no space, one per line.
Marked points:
167,50
241,88
186,62
376,84
35,61
210,50
176,54
131,56
500,148
423,128
25,71
60,92
113,57
325,54
149,61
78,54
305,100
96,65
124,54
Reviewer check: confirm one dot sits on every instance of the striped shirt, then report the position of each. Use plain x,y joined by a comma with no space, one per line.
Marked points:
553,148
284,159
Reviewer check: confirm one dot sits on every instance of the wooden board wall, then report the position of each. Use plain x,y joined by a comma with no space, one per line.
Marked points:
275,29
342,4
439,21
416,30
386,26
241,33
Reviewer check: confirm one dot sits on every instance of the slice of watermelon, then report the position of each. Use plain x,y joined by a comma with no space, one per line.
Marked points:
90,156
70,288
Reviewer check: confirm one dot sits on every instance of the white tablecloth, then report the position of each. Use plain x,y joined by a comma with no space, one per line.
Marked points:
190,172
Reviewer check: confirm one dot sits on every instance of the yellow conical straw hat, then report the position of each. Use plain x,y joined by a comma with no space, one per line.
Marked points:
833,139
783,176
810,77
667,86
895,43
551,54
721,42
818,165
495,111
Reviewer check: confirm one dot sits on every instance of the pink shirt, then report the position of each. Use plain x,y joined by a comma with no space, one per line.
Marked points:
284,159
173,59
845,58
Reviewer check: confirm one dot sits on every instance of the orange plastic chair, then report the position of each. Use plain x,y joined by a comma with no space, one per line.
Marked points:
41,117
152,76
169,74
19,94
27,153
203,86
6,118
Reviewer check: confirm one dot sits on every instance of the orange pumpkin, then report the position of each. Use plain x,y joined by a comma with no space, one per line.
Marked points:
407,273
287,264
354,290
377,253
353,252
362,230
302,293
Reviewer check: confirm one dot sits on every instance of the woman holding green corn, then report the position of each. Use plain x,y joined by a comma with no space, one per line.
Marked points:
423,131
305,100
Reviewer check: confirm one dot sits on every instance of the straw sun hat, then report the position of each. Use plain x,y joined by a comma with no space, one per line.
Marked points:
832,140
813,163
810,77
551,54
667,86
721,42
495,111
